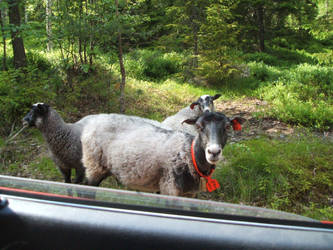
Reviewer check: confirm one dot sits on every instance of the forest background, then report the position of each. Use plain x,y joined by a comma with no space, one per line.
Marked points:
151,58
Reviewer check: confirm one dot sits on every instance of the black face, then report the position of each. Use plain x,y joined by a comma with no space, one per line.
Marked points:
205,103
37,111
211,127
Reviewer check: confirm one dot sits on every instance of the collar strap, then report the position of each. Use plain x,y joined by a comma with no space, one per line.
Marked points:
211,184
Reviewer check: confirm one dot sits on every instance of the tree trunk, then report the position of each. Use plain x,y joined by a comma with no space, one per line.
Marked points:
49,24
122,68
25,15
20,59
85,40
2,23
261,32
80,32
195,50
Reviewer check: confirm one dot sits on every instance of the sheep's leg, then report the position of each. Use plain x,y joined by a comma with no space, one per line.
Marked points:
79,175
92,180
168,185
95,180
66,172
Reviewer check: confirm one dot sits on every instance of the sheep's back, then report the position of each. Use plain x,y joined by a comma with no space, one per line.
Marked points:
139,157
135,151
176,121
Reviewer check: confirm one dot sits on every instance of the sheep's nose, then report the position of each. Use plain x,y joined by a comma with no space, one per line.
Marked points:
25,121
214,151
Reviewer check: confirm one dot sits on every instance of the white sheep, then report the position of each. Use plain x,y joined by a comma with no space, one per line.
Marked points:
149,158
203,104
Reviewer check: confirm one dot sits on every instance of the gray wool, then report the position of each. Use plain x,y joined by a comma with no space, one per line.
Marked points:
140,155
175,121
64,143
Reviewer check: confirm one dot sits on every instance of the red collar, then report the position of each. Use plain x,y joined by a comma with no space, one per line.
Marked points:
211,184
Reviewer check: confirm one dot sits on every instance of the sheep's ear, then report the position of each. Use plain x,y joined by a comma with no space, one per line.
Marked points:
216,96
43,107
193,104
190,121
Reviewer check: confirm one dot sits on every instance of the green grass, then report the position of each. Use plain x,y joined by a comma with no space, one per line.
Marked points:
300,95
294,175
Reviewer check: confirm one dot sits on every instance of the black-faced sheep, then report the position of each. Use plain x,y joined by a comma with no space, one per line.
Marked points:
149,158
203,104
63,139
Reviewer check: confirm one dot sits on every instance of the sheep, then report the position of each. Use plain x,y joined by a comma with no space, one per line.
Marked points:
203,104
63,139
149,158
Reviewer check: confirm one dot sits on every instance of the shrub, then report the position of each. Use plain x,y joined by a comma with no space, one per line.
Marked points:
216,73
318,79
152,64
261,57
18,90
263,72
300,95
291,104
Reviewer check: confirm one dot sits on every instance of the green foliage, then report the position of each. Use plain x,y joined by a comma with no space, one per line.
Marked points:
217,73
152,65
265,58
251,175
286,175
262,72
301,95
18,91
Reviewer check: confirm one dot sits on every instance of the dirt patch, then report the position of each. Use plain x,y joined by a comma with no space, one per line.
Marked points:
247,108
254,127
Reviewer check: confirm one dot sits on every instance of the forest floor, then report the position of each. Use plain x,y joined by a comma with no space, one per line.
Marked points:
249,109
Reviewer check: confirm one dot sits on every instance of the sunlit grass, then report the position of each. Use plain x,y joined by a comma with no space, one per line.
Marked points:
293,174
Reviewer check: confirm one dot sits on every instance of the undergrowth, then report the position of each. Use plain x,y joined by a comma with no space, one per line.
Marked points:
293,175
301,95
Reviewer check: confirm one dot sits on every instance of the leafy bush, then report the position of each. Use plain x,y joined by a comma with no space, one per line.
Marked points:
300,95
216,73
263,72
261,57
325,58
18,90
288,105
319,79
152,65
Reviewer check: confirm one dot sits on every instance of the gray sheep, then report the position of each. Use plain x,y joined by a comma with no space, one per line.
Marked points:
203,104
63,139
150,158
